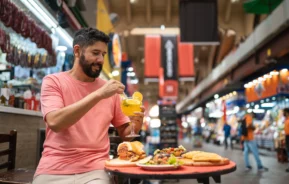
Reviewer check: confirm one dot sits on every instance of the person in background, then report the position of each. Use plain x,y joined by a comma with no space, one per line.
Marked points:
78,108
286,129
227,134
249,143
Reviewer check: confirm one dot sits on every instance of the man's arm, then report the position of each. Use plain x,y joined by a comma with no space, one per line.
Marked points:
65,117
69,115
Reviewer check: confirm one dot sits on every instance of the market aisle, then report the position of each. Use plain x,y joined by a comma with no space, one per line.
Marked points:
276,173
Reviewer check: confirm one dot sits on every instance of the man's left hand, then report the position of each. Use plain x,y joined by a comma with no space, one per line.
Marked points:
137,119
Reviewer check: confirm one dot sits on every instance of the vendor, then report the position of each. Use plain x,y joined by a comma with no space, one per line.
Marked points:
78,108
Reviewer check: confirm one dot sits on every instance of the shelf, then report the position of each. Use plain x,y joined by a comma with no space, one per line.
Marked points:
13,110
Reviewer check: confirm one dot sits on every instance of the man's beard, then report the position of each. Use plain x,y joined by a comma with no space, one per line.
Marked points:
87,68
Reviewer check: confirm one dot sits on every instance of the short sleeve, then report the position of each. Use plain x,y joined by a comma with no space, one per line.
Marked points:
118,118
51,96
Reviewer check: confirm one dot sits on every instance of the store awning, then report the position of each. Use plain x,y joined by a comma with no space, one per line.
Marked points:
261,6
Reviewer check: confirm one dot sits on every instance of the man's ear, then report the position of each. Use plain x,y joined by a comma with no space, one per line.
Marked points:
76,51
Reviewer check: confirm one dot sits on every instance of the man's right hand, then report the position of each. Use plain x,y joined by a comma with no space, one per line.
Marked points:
110,88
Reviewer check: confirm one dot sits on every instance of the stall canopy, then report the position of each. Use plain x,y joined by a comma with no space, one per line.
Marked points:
260,6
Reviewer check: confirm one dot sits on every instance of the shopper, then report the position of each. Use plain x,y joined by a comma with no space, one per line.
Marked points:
250,144
227,135
286,129
78,108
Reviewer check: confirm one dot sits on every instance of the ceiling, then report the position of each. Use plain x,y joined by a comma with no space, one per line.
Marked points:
233,25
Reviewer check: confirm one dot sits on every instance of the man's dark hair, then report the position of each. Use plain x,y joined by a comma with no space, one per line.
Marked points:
286,111
88,36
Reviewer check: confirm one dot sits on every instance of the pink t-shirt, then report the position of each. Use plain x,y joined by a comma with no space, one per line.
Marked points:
85,145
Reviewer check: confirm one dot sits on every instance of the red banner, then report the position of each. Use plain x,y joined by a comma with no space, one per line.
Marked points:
152,56
161,82
186,60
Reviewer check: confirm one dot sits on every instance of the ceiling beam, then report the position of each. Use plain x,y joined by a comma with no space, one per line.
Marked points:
211,58
149,11
128,11
228,12
169,11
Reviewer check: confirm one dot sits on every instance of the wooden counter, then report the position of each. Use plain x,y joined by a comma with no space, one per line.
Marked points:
28,125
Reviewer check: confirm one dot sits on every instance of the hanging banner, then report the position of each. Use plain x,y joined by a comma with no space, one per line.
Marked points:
169,57
114,51
152,56
169,63
186,60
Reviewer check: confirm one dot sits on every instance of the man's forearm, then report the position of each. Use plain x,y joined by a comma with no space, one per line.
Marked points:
69,115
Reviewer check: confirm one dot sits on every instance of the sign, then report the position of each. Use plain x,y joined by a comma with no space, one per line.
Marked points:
186,60
167,111
169,57
275,85
114,51
169,51
152,54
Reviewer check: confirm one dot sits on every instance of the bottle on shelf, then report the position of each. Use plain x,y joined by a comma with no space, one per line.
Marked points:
4,98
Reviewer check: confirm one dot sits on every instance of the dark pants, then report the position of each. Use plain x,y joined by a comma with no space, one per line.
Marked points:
226,142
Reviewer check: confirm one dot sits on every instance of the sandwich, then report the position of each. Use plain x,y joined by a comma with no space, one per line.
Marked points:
131,151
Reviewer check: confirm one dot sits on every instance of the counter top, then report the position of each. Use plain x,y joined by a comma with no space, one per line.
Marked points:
13,110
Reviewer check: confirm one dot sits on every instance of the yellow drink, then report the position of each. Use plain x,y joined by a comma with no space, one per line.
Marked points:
129,106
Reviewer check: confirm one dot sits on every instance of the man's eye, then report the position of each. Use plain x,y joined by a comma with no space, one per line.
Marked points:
103,54
96,53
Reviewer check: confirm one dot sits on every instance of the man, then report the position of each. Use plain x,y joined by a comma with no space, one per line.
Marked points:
286,129
78,108
250,144
227,134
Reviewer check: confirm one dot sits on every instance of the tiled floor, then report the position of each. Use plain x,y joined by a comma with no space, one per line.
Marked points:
275,175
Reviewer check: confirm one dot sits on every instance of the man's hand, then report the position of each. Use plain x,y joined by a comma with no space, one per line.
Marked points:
110,88
138,119
125,129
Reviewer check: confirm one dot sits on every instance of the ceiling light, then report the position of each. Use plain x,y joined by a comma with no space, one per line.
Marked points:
46,18
155,123
250,110
247,105
274,73
155,31
251,84
130,69
154,111
163,27
216,96
185,124
234,1
235,93
134,81
61,48
284,70
257,106
115,73
269,105
255,82
260,79
267,76
258,111
246,86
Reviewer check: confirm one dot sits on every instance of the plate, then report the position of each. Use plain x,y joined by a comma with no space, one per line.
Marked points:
158,167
